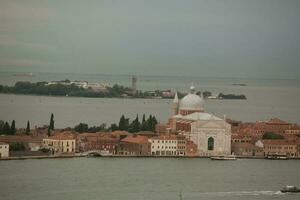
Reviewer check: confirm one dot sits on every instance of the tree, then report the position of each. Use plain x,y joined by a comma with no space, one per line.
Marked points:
82,127
49,132
1,126
13,127
114,127
144,126
123,123
272,136
28,127
51,125
16,146
135,126
6,128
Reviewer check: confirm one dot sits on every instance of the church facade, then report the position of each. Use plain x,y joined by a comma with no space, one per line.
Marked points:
211,134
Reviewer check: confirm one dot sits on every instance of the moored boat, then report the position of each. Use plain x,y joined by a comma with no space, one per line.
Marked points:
290,188
277,157
224,157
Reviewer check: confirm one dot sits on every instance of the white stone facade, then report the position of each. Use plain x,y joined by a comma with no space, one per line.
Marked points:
164,146
60,145
211,134
4,150
212,137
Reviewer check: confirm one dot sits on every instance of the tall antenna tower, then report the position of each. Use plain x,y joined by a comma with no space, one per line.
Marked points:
133,84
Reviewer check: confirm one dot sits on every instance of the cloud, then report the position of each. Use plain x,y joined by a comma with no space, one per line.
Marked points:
20,62
22,10
10,41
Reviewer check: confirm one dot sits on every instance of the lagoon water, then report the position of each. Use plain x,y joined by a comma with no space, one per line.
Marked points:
147,178
265,99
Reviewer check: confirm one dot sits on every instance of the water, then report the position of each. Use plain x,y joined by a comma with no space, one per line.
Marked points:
266,99
147,178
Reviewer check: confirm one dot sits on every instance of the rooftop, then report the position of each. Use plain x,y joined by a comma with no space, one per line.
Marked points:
66,135
135,139
198,116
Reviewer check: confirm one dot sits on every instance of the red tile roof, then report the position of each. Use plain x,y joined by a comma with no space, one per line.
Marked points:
165,137
20,138
278,142
66,135
116,133
244,145
136,139
276,121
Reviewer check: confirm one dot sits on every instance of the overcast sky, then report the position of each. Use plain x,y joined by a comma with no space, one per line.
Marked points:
211,38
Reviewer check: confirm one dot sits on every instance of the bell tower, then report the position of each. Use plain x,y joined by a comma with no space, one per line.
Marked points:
175,104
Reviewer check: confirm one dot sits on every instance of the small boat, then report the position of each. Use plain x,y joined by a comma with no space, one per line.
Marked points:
93,154
277,157
225,157
290,188
24,74
105,153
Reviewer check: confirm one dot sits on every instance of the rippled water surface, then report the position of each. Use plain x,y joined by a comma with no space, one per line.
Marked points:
147,178
265,99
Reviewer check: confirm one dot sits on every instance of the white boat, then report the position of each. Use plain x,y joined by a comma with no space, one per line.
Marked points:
24,74
105,153
224,157
290,188
277,157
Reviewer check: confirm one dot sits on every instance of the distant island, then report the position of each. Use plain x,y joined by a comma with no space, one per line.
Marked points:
239,84
84,89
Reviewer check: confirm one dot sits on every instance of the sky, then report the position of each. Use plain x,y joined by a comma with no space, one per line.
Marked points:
205,38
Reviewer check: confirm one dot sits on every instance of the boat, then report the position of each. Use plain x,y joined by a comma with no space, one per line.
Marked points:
93,154
24,74
105,153
224,157
102,153
291,189
277,157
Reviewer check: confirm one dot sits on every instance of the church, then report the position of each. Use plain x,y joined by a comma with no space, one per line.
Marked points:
211,134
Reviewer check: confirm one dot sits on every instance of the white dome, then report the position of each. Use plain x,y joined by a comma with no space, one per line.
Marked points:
191,102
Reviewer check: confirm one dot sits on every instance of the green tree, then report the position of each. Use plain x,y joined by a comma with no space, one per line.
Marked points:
144,126
51,125
114,127
123,123
6,128
28,127
272,136
82,127
13,127
1,126
135,125
16,146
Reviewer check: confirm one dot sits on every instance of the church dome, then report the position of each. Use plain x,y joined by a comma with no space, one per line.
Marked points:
191,101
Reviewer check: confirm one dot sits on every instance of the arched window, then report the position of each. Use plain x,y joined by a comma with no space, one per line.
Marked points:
210,144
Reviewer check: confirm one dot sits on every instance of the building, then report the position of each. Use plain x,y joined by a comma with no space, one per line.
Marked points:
191,149
293,130
61,143
31,142
167,145
4,150
211,134
100,141
281,147
134,145
247,149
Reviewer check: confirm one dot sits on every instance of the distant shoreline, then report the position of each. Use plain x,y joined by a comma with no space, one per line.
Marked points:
122,156
67,88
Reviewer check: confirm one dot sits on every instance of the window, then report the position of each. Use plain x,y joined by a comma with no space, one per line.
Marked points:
210,144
